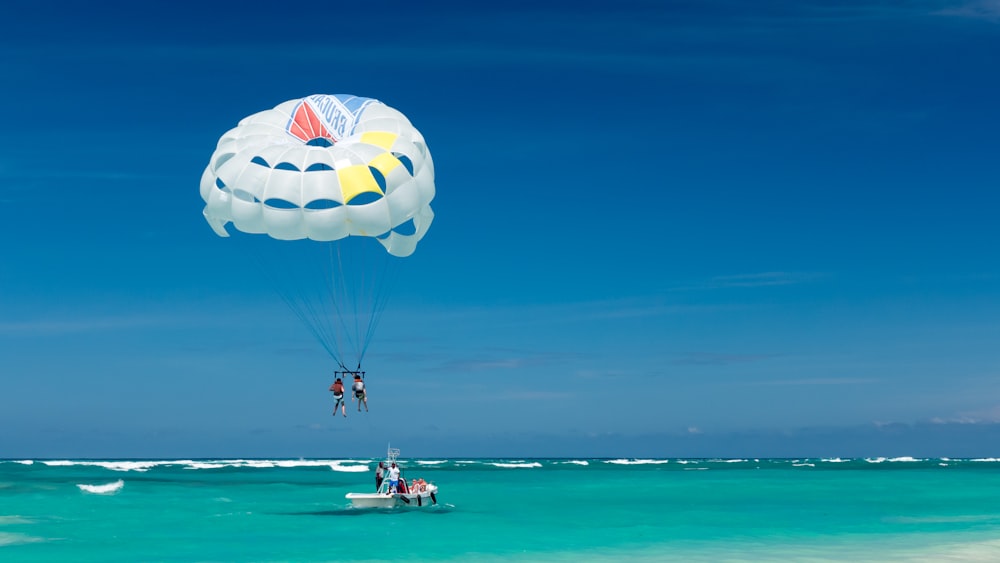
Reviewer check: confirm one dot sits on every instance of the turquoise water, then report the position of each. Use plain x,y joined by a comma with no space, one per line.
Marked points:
534,510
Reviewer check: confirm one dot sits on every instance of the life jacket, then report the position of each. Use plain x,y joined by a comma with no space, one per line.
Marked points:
337,388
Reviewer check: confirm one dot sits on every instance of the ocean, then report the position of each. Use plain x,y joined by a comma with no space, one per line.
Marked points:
900,509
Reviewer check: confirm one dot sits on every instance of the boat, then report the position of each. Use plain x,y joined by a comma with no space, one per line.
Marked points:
416,493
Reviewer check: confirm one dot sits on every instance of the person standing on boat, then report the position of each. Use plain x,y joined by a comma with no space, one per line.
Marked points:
338,394
360,393
393,478
379,476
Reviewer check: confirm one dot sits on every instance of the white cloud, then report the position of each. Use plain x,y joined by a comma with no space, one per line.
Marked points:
983,416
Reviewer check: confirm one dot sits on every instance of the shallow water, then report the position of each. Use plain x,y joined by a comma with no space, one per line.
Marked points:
538,510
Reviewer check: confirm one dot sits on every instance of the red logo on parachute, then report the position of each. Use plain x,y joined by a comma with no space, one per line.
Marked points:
307,126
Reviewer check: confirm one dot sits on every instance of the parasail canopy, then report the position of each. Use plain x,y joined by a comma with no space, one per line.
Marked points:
323,167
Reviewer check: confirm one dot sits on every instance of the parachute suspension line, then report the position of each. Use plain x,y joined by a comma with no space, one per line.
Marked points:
342,295
368,288
359,297
330,294
380,299
299,306
314,310
311,311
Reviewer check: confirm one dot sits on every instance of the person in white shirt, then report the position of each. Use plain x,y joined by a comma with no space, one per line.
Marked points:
360,393
393,478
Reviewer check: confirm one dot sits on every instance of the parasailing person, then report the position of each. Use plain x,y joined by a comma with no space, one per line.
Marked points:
341,185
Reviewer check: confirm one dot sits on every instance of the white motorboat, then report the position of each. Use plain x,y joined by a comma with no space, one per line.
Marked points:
416,493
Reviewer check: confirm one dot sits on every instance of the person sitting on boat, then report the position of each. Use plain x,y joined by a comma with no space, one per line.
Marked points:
359,392
393,478
338,394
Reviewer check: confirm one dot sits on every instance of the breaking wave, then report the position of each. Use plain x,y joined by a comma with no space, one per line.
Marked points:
637,461
516,464
106,489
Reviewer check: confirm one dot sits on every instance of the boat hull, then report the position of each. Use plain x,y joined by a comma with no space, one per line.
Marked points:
390,500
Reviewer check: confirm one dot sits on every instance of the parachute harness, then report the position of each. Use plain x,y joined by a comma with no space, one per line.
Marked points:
345,372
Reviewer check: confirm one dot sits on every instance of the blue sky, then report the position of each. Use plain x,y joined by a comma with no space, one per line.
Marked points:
662,229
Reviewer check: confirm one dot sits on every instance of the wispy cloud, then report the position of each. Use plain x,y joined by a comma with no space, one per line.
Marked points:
534,395
486,365
978,9
772,12
718,359
763,279
760,279
594,374
982,416
819,381
71,174
576,312
92,323
61,326
508,360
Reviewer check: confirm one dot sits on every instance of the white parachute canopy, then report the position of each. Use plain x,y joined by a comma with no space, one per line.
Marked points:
324,168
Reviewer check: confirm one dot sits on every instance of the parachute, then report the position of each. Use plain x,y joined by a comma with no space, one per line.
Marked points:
327,171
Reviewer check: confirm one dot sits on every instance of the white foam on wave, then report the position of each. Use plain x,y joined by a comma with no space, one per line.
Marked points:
874,459
515,465
685,461
904,459
59,463
17,539
268,463
290,463
986,459
574,462
431,462
834,460
638,461
25,462
106,489
7,520
113,465
205,465
220,463
803,465
354,468
141,466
